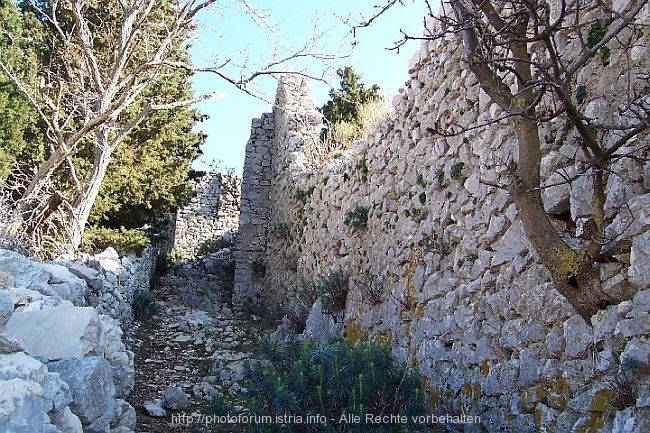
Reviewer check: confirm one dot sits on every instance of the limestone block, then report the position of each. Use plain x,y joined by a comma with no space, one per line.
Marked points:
512,244
57,333
93,393
578,336
67,422
639,270
125,416
581,196
322,326
6,307
556,196
47,278
174,398
28,392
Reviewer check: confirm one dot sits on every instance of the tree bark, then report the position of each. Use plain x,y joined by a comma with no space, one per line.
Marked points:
83,202
574,275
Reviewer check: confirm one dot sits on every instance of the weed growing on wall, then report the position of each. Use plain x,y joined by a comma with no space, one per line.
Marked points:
215,244
356,217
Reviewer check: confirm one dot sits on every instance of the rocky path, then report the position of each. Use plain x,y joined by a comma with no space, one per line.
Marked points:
193,349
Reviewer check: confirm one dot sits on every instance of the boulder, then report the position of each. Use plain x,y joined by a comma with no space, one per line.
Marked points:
93,393
639,270
323,326
58,333
174,398
28,394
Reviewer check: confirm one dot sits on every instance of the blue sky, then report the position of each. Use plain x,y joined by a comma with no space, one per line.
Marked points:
278,27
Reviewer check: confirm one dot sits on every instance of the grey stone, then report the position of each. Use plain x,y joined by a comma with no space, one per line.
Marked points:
125,416
28,392
174,398
580,197
639,270
154,409
578,336
46,278
556,195
6,307
57,333
10,344
93,393
323,326
512,244
67,422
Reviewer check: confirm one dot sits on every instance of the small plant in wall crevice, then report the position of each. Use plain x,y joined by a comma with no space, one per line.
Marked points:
356,217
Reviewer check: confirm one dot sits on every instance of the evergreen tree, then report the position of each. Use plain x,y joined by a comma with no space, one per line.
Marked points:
21,137
345,102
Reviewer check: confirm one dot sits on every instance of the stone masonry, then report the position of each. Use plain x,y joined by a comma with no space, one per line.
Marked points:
213,212
442,269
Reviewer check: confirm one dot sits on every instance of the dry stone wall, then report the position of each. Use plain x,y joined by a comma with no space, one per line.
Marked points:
442,269
212,213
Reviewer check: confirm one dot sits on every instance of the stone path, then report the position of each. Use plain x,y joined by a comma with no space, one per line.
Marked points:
196,343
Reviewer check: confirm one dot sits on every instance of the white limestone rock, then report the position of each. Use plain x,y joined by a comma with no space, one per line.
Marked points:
323,326
47,278
58,333
93,393
639,270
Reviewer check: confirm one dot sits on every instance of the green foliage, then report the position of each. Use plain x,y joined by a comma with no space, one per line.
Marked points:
125,241
334,380
21,135
420,181
144,305
214,244
457,170
422,197
362,167
345,102
581,93
166,258
333,290
356,217
596,33
303,195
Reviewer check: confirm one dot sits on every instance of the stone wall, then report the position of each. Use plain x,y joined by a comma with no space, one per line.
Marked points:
212,213
442,270
63,365
250,248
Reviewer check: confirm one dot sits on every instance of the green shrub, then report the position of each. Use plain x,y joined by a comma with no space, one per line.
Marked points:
303,195
334,289
124,241
457,170
214,244
144,305
334,380
357,217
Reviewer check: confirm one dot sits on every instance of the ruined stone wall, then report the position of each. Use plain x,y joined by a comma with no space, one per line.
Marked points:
250,249
212,213
442,269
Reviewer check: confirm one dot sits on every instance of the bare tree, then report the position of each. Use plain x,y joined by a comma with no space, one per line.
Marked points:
96,78
527,55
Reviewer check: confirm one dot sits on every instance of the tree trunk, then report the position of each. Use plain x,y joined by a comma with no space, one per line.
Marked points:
573,272
83,203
